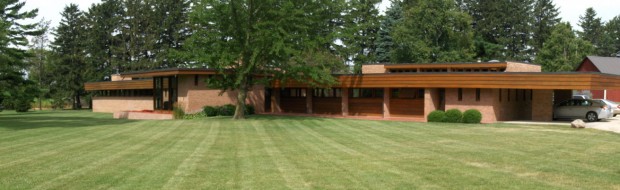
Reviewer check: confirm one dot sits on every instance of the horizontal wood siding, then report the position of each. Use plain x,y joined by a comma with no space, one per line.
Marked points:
293,105
327,106
366,106
120,85
406,107
541,81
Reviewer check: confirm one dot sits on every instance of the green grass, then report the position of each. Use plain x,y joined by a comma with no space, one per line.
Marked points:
83,150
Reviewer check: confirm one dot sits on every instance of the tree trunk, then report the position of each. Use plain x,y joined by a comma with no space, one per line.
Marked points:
240,109
78,103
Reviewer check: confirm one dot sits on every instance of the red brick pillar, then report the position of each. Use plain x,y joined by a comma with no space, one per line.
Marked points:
345,101
542,105
431,101
386,102
309,94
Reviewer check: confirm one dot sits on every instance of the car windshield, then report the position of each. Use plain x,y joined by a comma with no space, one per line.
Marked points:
608,101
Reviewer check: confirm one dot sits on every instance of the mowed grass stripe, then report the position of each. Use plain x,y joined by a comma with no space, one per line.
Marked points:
456,146
160,157
88,137
288,171
329,163
61,180
189,164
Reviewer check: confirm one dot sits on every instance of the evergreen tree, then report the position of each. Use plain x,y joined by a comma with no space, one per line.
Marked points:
171,31
384,42
434,31
70,67
593,32
359,33
14,89
502,28
612,29
563,51
102,25
288,40
545,18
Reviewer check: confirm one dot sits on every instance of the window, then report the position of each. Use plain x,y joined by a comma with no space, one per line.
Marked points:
366,93
524,95
508,95
460,94
500,95
196,80
477,94
327,93
293,92
407,93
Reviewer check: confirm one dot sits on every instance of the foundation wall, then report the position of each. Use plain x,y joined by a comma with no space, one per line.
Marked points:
117,104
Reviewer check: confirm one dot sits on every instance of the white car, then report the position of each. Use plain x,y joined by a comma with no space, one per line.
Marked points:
615,107
591,110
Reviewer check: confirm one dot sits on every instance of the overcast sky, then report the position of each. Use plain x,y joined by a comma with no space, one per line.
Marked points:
569,9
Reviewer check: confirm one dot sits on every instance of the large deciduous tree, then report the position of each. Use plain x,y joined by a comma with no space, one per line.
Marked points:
271,38
433,31
563,51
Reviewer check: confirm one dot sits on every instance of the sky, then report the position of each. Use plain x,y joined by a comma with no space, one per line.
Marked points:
570,10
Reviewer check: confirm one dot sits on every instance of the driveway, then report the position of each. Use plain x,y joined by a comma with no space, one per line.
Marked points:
612,124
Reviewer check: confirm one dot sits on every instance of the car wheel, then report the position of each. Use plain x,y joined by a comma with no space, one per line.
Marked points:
591,116
615,115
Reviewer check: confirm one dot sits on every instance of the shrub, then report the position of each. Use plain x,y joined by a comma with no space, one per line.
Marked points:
195,116
472,116
436,116
249,110
210,111
178,113
226,110
453,116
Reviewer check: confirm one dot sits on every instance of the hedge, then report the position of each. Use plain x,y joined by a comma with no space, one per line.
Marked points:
436,116
472,116
453,116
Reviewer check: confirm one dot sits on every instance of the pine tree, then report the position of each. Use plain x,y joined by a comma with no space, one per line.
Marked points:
434,31
545,18
612,29
593,31
70,66
384,42
102,25
563,51
14,89
359,33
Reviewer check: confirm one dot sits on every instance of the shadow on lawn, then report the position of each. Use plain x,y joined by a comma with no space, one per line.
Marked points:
34,120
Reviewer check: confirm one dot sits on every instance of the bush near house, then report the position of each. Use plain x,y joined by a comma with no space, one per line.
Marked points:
436,116
178,113
472,116
225,110
210,111
453,116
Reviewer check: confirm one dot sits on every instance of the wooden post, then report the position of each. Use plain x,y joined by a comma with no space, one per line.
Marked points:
309,94
345,101
386,102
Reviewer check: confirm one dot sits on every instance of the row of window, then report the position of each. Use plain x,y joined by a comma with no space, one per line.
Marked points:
519,95
446,70
404,93
124,93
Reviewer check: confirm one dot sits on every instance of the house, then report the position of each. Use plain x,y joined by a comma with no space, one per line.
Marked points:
502,91
604,65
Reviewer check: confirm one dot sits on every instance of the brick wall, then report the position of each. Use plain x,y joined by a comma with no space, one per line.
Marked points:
194,96
486,105
368,69
522,67
542,105
118,77
116,104
431,101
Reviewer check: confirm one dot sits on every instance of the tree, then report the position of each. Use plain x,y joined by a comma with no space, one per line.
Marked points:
285,40
70,66
434,31
384,42
612,29
593,32
102,23
503,28
12,38
40,52
545,18
563,51
360,27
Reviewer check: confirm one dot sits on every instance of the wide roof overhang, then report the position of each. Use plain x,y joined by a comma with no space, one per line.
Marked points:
556,81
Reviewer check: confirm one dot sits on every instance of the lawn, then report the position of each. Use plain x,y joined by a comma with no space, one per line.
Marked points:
83,150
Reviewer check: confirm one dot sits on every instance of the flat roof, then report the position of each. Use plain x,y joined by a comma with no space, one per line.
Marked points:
169,72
